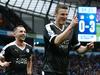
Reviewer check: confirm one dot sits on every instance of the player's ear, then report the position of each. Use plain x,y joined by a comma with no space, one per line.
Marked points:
14,33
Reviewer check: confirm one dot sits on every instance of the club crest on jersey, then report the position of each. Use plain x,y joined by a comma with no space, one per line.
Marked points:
27,50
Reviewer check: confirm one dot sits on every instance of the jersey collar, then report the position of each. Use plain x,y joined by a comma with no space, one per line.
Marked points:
58,27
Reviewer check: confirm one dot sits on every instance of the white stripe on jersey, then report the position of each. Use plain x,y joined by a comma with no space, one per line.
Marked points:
3,49
50,31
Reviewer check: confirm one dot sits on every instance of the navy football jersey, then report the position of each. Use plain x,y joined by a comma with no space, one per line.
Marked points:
17,56
55,59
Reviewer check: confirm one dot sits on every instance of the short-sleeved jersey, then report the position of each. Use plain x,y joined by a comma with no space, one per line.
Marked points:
17,56
55,59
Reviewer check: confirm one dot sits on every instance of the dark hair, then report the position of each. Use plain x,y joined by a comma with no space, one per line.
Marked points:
60,6
17,27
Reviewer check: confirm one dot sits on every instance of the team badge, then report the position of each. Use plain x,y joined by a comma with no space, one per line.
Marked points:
27,50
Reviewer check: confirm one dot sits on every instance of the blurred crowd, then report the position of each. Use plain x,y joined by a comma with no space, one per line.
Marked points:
84,64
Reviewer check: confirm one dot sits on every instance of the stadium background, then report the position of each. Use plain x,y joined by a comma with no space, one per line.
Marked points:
34,14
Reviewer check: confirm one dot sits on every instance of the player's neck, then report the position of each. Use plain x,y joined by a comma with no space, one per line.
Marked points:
20,43
59,25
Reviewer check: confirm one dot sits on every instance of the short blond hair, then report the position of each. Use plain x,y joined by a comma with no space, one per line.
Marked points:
17,27
60,6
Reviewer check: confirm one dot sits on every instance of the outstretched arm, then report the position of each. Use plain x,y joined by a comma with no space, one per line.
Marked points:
88,47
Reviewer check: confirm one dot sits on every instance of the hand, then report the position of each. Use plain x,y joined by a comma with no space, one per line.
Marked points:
74,22
5,64
90,45
29,74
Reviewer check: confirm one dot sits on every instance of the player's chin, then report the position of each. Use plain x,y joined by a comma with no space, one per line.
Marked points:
62,23
22,38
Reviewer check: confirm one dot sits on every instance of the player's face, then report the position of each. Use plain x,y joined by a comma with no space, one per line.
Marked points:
20,33
61,16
